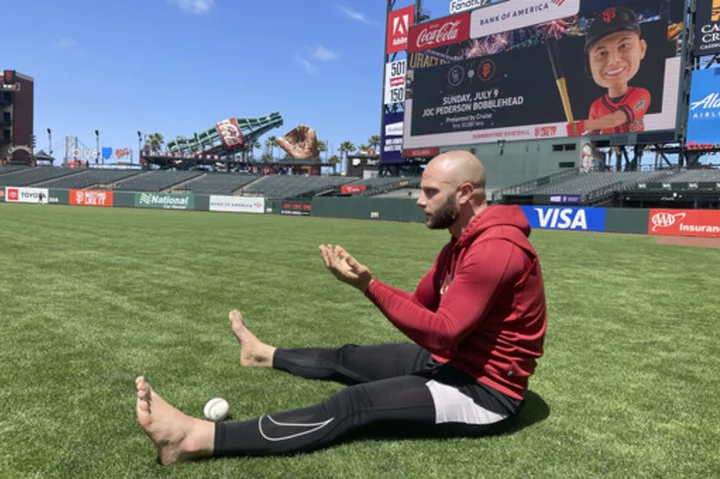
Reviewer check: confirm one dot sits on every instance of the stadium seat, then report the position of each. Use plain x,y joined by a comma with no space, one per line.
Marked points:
156,180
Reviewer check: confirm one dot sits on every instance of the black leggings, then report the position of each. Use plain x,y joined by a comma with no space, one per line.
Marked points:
396,389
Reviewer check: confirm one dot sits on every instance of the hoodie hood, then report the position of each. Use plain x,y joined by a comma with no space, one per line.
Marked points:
506,221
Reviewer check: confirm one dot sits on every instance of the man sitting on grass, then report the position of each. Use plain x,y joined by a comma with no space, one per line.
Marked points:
477,324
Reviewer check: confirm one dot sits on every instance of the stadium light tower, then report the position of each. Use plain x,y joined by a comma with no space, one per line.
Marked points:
97,147
49,131
139,145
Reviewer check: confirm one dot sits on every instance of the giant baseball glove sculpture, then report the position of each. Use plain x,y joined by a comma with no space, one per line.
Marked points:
300,143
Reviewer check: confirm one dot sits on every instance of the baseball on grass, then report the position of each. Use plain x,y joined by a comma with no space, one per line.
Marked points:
216,409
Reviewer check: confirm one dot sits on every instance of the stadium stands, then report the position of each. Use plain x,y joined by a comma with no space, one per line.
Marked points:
156,180
585,184
287,186
217,183
90,178
695,176
403,193
10,168
381,186
31,176
592,187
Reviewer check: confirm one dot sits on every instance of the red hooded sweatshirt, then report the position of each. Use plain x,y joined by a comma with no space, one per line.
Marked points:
481,308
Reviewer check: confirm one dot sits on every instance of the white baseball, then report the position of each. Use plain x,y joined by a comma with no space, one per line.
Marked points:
216,409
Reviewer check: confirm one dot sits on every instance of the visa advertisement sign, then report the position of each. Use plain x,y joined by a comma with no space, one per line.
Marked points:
704,115
571,219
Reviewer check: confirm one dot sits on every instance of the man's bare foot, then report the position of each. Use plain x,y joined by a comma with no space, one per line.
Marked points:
253,352
177,437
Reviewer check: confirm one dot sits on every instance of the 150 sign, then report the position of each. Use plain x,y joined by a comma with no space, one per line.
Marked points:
395,82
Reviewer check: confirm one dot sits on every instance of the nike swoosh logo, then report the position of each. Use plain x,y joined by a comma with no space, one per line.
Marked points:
313,427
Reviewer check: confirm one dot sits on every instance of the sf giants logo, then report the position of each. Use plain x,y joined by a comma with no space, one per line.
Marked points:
609,15
486,70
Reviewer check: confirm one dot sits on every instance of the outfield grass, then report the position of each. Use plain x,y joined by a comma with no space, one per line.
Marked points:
91,298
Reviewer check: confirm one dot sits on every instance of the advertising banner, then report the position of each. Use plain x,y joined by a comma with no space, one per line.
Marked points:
296,209
565,199
26,195
703,130
352,189
593,68
421,153
439,33
395,82
91,198
707,27
398,27
237,204
164,201
230,134
684,222
457,6
557,218
392,141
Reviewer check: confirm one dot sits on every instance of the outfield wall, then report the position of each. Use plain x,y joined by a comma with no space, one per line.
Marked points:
662,222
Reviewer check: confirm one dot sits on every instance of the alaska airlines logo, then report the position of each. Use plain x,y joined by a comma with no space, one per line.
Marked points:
710,101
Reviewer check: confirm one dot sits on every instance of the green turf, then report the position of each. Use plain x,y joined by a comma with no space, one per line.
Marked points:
91,298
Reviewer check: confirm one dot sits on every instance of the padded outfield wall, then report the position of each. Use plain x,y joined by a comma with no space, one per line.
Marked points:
662,222
518,162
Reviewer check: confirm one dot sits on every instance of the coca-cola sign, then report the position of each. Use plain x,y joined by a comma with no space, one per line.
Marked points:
438,33
230,134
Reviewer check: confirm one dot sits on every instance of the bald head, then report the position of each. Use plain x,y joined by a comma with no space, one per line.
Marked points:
456,168
452,191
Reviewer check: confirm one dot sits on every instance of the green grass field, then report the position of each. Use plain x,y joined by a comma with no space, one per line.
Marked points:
92,298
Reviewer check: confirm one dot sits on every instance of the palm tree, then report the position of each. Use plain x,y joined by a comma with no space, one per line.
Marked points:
254,146
346,147
334,160
374,142
268,145
154,142
273,144
322,147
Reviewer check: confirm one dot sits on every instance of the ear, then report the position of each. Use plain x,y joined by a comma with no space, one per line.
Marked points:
465,192
643,49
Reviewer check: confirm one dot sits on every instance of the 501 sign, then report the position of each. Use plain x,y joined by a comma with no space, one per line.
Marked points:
395,82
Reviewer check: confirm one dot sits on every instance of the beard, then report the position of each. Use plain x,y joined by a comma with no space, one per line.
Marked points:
445,216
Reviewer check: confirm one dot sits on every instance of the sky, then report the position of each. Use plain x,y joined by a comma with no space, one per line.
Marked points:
180,66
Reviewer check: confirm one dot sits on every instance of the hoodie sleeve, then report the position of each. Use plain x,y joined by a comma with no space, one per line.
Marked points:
488,269
425,294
